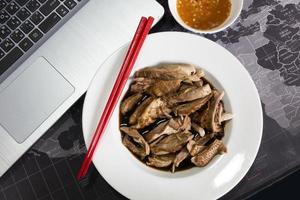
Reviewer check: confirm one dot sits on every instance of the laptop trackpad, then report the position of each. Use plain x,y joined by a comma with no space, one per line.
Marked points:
29,100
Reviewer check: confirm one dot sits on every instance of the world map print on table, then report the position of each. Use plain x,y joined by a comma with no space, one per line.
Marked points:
266,39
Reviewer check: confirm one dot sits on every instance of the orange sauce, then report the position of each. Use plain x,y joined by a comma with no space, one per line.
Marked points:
204,14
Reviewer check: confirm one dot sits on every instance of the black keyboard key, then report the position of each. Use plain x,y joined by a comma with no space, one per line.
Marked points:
21,2
17,36
25,44
32,5
2,4
4,16
10,59
62,10
49,6
1,54
4,32
13,23
42,1
23,14
7,45
12,8
70,4
27,26
36,18
35,35
8,1
49,22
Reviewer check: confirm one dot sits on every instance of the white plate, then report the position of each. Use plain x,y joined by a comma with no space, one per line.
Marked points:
243,134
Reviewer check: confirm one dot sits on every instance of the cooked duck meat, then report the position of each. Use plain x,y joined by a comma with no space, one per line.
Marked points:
204,157
191,107
162,129
167,71
134,134
171,143
155,109
190,94
139,151
208,118
181,156
138,111
162,87
160,160
197,144
226,117
199,129
195,77
141,84
180,114
130,102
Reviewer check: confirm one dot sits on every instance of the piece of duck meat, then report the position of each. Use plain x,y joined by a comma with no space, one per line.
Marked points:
130,102
190,94
226,117
162,129
161,160
169,127
155,109
191,107
167,71
198,129
171,143
164,87
181,156
195,77
141,84
139,151
208,120
138,111
204,157
138,138
198,83
197,144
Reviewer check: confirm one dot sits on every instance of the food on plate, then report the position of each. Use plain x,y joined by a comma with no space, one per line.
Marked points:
203,14
172,118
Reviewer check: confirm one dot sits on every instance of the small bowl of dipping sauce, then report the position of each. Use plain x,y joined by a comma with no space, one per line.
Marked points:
205,16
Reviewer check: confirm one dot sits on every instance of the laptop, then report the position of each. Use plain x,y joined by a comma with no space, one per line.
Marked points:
49,52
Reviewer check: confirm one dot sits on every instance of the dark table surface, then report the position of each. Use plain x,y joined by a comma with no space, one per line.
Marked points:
266,39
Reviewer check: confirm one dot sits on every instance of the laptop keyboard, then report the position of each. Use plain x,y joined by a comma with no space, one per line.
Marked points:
24,23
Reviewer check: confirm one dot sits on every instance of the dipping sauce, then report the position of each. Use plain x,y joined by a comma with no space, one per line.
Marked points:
203,14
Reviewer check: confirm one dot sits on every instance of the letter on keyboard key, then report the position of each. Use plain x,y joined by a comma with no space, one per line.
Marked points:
35,35
49,6
25,44
49,22
7,45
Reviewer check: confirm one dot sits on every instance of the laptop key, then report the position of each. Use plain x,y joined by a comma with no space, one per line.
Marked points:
4,16
27,26
23,14
21,2
2,4
13,23
35,35
1,54
32,5
36,18
12,8
10,59
4,32
49,22
17,36
62,10
7,45
49,6
25,44
70,4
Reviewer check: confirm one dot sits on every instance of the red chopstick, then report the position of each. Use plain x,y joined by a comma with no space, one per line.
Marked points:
130,58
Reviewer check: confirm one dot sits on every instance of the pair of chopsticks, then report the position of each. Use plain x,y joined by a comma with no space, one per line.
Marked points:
128,63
